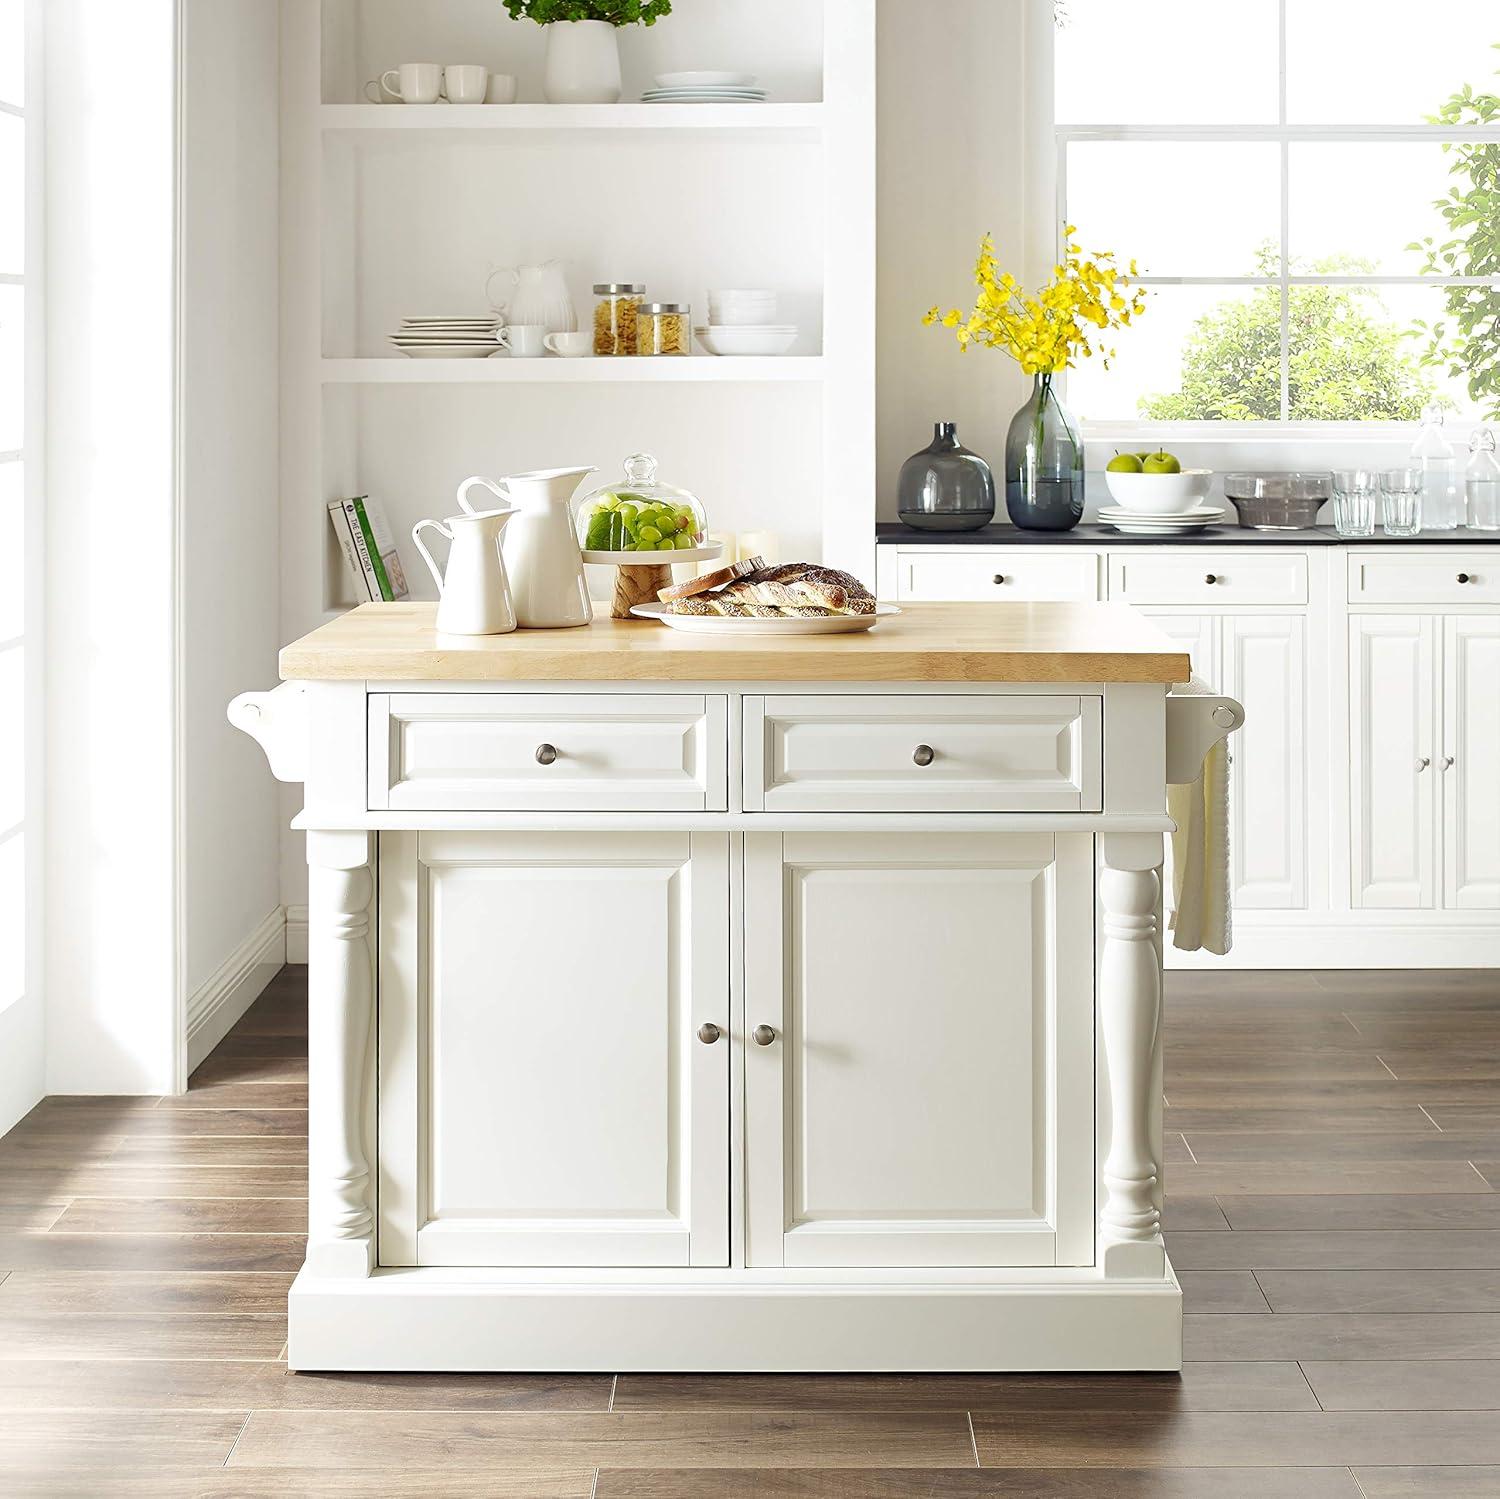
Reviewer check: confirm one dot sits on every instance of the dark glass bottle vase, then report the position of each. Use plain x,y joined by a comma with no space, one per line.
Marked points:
945,487
1044,464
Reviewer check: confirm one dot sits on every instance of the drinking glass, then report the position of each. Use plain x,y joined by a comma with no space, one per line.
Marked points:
1354,492
1401,501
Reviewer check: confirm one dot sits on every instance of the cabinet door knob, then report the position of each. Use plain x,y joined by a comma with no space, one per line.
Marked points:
763,1035
999,577
1210,577
924,754
545,754
1464,578
1423,763
1446,763
708,1033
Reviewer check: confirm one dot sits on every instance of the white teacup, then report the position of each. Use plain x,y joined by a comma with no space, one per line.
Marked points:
465,83
415,82
570,345
377,93
524,340
502,89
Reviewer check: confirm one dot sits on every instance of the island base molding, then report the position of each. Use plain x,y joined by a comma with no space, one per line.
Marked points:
425,1321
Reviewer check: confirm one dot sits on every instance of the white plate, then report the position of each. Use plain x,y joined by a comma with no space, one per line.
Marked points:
1198,514
650,559
703,98
791,624
450,322
448,351
704,80
1182,528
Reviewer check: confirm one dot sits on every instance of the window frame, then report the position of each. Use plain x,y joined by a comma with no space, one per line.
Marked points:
1285,135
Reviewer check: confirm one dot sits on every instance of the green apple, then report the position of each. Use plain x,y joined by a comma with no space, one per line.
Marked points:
1161,463
1123,463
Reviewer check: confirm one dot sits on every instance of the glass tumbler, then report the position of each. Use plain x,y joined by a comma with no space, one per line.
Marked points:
1401,501
1354,492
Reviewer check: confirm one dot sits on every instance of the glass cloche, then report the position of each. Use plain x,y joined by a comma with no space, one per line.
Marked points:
638,514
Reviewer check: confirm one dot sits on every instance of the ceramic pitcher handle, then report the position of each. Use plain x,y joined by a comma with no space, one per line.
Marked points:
416,536
496,489
504,270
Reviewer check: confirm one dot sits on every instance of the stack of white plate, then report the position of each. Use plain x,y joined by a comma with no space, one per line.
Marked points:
446,337
742,309
705,88
1183,523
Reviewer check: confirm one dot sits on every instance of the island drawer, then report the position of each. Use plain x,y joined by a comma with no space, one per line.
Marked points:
936,575
1457,577
547,752
908,753
1269,576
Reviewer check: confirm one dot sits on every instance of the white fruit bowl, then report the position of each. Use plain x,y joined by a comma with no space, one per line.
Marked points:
1159,494
747,341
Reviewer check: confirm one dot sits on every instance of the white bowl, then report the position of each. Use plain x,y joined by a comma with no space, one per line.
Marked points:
747,341
701,79
1159,494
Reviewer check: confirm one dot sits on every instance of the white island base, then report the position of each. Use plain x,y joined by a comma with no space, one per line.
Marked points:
689,1005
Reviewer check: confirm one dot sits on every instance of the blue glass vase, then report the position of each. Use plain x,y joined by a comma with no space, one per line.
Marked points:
1044,463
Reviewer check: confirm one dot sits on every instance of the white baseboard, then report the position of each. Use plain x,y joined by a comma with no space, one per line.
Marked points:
296,934
235,985
1353,939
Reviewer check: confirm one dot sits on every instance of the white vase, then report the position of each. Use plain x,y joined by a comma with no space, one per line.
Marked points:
583,63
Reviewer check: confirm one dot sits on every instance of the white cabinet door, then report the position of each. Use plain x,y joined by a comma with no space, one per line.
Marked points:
1392,704
1264,659
544,1098
915,994
1469,763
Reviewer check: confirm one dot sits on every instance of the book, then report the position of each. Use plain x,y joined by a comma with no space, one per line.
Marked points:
345,538
378,560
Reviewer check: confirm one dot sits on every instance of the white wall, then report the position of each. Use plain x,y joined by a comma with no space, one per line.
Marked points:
230,534
109,615
954,162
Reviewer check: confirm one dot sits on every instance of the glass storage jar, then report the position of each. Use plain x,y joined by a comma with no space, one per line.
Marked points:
638,514
616,316
663,328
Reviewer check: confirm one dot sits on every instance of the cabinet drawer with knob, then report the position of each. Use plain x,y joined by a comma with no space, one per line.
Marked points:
1203,577
973,574
547,752
1015,753
1454,577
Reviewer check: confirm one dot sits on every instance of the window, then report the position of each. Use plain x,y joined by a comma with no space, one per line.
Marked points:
1305,185
15,726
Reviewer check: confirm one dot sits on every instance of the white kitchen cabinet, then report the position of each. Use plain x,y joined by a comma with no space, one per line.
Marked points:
544,1098
918,1004
1469,762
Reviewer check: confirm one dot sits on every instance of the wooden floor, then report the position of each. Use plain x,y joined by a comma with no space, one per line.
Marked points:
1333,1159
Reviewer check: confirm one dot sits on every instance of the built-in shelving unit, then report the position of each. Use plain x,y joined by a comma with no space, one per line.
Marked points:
401,210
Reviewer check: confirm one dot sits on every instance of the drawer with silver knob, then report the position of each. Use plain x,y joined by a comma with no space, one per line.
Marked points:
1263,575
547,752
1459,576
985,574
1002,753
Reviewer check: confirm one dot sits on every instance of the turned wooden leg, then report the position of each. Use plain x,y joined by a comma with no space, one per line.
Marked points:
1130,1241
340,1060
638,585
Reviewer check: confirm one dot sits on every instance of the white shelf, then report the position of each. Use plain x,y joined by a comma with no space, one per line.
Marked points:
801,119
667,370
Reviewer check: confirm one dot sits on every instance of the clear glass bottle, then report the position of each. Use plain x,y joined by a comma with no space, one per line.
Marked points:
1442,499
945,487
663,328
1482,482
616,315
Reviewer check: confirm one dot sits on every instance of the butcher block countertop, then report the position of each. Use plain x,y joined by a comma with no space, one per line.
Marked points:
1042,642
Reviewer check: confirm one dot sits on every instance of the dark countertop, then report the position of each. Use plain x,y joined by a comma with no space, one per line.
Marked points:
891,532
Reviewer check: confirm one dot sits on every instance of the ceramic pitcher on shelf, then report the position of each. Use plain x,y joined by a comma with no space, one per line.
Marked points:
536,294
473,595
541,546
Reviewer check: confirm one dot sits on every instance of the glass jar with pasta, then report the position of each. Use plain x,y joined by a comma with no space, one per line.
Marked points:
663,328
616,317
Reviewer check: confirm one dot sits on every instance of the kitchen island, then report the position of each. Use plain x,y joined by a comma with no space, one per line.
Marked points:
689,1003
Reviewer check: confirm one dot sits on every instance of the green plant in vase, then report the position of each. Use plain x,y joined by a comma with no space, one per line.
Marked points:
583,53
1068,319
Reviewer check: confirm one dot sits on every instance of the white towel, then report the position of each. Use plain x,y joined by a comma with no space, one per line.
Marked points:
1201,915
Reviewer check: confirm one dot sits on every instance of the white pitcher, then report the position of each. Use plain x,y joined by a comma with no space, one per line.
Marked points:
538,294
541,546
473,596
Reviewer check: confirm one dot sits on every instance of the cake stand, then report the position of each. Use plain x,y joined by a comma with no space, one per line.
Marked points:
641,575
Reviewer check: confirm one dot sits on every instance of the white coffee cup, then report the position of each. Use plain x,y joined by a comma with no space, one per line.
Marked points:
502,89
381,94
415,82
524,340
465,83
570,345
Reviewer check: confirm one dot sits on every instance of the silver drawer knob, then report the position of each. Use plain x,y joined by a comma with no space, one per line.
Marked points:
708,1033
924,754
763,1035
1446,763
1464,578
1423,763
545,754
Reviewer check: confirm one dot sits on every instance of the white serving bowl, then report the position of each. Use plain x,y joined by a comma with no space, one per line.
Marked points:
1159,494
746,341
